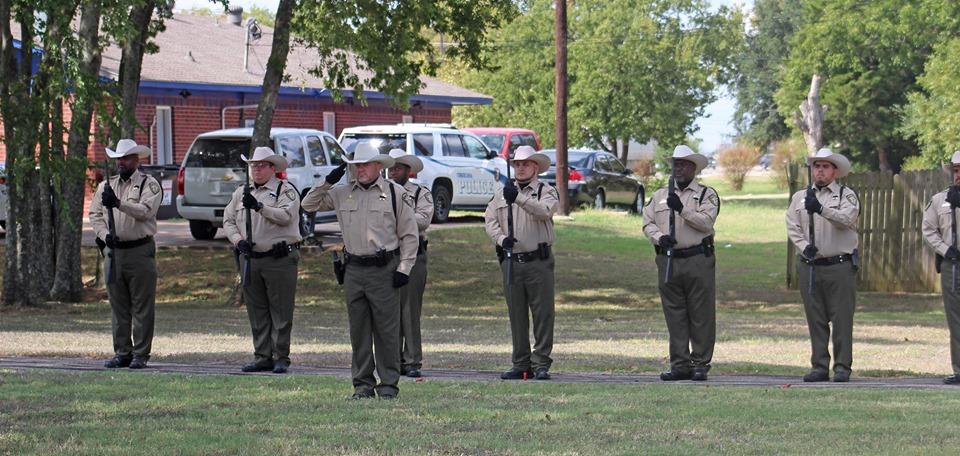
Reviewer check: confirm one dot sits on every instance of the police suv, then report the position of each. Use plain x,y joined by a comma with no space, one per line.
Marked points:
458,168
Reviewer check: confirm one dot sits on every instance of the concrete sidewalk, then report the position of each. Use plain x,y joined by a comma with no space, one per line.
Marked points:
767,381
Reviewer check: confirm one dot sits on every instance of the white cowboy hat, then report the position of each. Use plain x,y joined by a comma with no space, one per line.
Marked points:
402,158
128,147
266,154
365,153
683,152
527,153
955,160
841,162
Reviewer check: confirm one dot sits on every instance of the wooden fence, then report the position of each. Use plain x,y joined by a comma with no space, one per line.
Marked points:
893,256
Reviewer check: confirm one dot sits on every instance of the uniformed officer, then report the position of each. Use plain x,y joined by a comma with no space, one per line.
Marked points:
940,233
530,291
411,295
134,198
832,259
273,253
380,249
688,294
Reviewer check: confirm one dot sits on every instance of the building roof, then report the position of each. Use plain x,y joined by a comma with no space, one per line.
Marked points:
209,52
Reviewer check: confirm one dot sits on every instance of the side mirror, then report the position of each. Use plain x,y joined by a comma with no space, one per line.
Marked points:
491,154
627,172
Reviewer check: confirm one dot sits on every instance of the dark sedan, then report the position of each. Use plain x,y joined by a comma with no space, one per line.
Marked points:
597,178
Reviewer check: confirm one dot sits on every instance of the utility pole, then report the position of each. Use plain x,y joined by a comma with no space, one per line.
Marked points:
561,104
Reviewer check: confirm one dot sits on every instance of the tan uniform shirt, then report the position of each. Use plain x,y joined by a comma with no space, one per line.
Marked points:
692,224
532,217
277,221
136,218
367,219
937,226
835,229
422,205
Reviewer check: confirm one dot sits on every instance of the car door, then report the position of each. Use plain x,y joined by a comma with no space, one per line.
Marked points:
620,182
293,149
489,167
467,175
318,159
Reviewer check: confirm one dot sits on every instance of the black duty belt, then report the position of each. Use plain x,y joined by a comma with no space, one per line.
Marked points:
543,252
683,253
381,259
422,248
134,243
279,250
829,261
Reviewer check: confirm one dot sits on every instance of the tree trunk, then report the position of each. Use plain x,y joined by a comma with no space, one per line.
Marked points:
882,158
561,104
810,117
131,64
274,75
68,283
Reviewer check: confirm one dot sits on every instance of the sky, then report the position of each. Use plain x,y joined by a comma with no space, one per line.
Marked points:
714,127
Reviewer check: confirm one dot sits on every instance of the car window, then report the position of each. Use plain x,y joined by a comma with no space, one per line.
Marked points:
527,140
292,148
453,146
382,142
336,152
217,153
315,147
475,148
575,159
423,144
614,164
600,163
514,144
494,142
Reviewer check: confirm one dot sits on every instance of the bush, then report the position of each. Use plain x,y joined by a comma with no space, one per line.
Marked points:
785,153
736,161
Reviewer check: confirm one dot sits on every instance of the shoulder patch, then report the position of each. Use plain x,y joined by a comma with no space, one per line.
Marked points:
290,194
154,187
714,199
408,200
852,199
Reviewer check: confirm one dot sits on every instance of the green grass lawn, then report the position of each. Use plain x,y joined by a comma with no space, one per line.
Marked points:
752,185
137,413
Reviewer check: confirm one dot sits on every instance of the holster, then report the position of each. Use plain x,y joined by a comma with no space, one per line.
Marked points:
708,247
543,249
855,260
937,262
338,268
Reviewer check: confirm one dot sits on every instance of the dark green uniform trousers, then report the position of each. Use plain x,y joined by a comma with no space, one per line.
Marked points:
832,302
269,297
531,294
411,304
133,299
373,309
951,306
690,309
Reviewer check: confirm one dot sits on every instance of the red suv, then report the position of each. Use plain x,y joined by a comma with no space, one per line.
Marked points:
506,139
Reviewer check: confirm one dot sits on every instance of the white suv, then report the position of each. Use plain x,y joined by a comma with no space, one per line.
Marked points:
457,167
212,170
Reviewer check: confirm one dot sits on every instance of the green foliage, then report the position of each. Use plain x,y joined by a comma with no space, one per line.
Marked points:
379,45
932,115
760,68
644,75
736,161
870,54
918,163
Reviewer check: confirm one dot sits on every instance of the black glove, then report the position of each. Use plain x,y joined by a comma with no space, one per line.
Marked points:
953,196
336,174
952,254
507,243
510,193
811,202
667,241
400,279
673,202
110,241
810,252
109,198
244,247
250,202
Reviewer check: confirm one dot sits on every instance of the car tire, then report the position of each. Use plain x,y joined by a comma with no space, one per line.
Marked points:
638,201
202,230
441,203
308,221
599,200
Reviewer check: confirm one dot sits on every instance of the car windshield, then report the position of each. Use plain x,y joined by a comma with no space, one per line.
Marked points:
493,141
575,158
382,142
218,152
